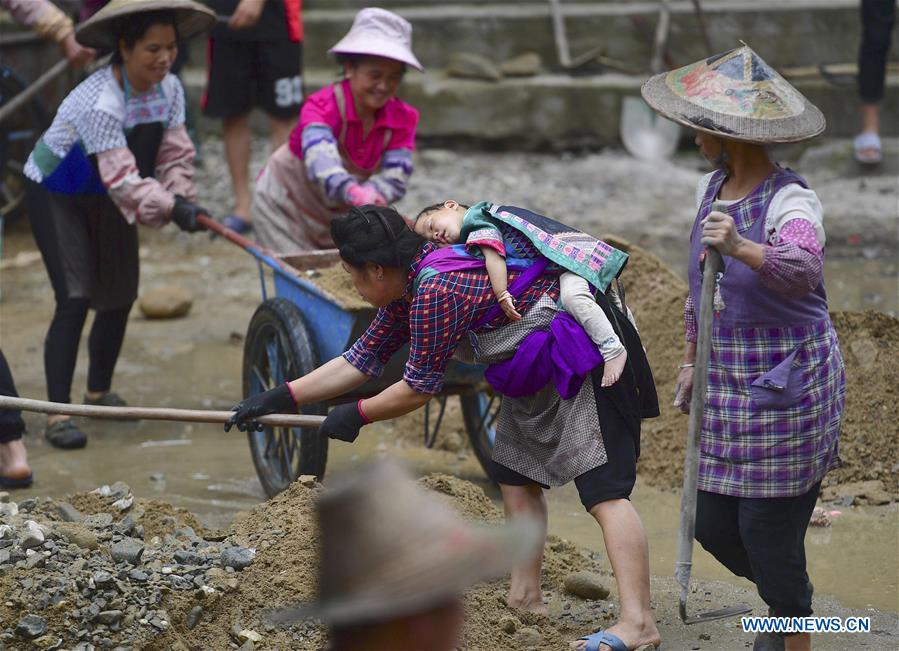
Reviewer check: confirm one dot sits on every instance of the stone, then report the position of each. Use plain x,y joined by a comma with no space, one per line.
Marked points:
509,624
98,520
4,497
35,560
4,556
31,626
138,575
166,302
526,638
309,481
526,64
249,634
705,636
78,535
9,509
28,505
102,577
31,536
109,616
237,557
187,557
193,617
48,642
249,645
586,585
468,65
127,550
864,350
7,531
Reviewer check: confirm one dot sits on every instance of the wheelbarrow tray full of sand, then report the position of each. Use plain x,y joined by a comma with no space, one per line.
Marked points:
309,314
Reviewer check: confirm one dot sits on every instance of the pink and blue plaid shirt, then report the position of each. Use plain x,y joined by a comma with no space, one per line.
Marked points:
434,318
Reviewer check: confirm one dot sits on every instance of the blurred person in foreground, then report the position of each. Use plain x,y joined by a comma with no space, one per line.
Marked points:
353,144
48,21
395,560
878,17
254,59
116,155
776,386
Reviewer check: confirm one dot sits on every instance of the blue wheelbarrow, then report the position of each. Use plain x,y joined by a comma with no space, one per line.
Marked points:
300,325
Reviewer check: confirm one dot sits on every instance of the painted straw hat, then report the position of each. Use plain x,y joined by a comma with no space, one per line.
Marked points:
99,31
381,33
735,95
389,548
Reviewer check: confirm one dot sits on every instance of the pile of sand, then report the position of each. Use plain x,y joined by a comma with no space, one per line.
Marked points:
869,443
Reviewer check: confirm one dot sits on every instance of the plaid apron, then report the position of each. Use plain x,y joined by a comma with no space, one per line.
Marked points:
776,381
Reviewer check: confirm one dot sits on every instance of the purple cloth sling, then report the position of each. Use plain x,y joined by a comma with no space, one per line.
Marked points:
564,354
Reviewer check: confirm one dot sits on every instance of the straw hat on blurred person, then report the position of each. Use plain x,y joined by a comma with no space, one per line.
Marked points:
735,95
393,552
101,30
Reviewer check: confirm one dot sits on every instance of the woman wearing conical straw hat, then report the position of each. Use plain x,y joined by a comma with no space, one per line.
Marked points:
776,383
116,155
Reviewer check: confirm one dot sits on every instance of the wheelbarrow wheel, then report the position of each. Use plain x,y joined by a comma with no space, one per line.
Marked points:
479,411
279,348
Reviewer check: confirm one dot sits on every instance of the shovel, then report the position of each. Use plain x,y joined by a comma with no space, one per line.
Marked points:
645,134
713,264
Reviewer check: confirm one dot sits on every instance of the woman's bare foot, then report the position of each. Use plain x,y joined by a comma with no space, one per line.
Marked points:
633,636
530,603
14,460
613,368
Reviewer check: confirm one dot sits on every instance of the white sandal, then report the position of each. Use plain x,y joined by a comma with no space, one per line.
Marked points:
867,149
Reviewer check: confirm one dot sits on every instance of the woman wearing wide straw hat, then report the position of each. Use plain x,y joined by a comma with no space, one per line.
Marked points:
776,383
353,144
117,154
395,560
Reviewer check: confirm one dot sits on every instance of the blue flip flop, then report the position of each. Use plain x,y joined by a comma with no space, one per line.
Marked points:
602,637
22,482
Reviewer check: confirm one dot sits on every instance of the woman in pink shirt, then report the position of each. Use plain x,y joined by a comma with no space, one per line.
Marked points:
353,144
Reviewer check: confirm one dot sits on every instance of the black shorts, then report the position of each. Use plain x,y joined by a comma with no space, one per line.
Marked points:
247,74
614,479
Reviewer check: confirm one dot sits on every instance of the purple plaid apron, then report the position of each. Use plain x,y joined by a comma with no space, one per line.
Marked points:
776,380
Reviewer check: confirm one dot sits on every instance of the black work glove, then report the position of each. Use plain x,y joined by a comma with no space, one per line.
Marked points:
185,213
274,401
343,423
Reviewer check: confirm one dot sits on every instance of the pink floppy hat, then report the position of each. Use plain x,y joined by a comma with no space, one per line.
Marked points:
380,33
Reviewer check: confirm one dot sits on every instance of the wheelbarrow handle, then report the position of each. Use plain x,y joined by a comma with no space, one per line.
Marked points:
33,89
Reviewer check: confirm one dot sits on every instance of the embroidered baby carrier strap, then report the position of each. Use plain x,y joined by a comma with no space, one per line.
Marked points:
575,251
352,167
742,299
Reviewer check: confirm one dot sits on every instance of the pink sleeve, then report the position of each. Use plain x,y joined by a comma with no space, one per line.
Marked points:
175,163
794,260
689,320
319,108
42,16
143,200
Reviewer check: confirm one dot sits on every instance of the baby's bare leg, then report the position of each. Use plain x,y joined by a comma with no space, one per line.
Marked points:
577,300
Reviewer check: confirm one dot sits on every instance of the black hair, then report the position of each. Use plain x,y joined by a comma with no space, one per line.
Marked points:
132,28
434,206
355,59
375,234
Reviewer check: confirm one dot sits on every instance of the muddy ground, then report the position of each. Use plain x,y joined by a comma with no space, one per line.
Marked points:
195,362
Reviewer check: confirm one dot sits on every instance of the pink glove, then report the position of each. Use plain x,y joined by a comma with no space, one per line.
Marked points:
361,195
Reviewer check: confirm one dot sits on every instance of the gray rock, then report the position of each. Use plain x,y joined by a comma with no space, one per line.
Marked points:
31,536
127,550
527,64
187,557
193,617
7,532
468,65
586,585
4,556
9,509
4,497
98,521
102,577
28,505
166,302
31,626
67,512
138,575
109,616
237,557
35,560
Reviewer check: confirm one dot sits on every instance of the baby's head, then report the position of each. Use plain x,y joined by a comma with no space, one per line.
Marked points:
441,223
